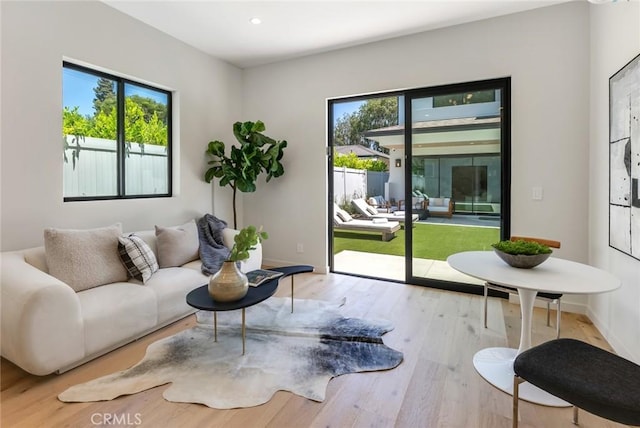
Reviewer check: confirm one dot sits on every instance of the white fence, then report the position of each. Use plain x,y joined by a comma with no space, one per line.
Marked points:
95,171
349,184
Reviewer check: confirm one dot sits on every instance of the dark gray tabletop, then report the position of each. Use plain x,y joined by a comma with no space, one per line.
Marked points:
200,299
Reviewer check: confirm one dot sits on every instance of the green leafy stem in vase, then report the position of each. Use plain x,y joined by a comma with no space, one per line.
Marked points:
521,247
246,241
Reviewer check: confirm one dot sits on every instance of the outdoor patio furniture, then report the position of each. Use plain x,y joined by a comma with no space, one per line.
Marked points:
372,213
549,298
342,220
439,206
418,202
381,204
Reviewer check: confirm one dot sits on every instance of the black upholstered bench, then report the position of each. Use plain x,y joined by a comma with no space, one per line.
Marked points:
588,377
291,271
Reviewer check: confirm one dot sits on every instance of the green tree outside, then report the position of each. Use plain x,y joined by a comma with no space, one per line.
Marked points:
145,118
352,161
374,113
105,99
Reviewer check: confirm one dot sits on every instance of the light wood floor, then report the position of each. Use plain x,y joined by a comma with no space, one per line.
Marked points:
435,386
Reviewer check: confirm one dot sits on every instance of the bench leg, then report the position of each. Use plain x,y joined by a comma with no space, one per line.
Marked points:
516,383
386,236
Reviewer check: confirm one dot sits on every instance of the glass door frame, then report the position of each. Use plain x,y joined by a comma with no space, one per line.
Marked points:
330,178
504,85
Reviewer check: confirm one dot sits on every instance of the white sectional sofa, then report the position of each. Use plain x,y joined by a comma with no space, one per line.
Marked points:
47,326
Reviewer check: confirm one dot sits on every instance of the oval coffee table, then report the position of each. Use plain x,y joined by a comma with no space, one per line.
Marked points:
200,299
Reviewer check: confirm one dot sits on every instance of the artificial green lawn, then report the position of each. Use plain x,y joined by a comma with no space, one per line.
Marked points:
430,241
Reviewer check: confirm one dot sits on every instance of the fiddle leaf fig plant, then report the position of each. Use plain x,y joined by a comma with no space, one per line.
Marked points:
246,241
256,153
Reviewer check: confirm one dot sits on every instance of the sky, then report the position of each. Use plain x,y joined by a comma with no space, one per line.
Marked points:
77,90
339,109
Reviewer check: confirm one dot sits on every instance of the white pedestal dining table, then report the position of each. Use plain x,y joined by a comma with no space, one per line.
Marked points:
555,275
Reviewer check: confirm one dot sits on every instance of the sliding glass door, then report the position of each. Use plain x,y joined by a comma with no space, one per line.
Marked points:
456,177
435,161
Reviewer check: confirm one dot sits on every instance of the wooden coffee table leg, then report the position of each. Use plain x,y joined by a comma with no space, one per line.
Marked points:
243,331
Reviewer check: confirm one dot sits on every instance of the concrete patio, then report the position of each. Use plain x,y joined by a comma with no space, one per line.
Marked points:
393,267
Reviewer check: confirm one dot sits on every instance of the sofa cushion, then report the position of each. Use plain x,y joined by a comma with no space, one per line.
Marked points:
84,259
115,313
137,257
177,245
171,286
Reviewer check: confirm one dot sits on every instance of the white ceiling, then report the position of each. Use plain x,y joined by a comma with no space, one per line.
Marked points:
296,28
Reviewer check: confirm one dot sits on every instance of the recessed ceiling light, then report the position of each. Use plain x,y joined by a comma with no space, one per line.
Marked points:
255,21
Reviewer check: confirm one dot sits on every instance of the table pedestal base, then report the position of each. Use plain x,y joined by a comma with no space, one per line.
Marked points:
495,365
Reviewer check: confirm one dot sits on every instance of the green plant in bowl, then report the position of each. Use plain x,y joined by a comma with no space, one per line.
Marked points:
522,254
521,246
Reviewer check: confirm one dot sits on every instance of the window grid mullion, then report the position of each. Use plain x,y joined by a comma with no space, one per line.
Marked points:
121,138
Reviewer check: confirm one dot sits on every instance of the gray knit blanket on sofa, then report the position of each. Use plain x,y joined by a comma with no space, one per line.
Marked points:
212,249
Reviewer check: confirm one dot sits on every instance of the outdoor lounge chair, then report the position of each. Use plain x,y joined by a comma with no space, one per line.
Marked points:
370,212
342,220
381,204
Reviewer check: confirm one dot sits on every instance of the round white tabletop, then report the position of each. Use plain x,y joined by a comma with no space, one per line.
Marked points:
553,276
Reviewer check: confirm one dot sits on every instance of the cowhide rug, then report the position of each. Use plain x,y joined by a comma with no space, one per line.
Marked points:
297,352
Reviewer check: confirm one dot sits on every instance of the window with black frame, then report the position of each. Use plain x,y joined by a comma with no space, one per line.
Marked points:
116,137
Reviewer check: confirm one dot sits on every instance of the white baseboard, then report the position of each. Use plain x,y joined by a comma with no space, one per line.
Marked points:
617,344
280,263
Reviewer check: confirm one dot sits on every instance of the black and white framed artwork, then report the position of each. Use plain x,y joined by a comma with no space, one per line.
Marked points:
624,159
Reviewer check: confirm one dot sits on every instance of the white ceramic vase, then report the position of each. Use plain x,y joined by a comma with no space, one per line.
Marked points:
228,284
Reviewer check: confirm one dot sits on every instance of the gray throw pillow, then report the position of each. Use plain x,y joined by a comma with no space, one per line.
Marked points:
84,259
177,245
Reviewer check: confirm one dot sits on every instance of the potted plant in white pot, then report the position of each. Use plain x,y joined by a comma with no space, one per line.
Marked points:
229,283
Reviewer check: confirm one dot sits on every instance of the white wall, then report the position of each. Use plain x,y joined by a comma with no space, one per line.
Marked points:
545,51
35,38
615,40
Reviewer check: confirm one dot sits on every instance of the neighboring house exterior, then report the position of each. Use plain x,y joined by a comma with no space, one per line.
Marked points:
455,153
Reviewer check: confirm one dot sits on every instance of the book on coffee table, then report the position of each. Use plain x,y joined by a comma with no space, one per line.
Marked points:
258,276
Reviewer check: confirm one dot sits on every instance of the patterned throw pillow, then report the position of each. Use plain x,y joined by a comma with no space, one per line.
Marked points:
137,257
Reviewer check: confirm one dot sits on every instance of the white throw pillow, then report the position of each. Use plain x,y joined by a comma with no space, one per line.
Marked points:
177,245
137,257
84,259
344,216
